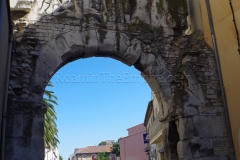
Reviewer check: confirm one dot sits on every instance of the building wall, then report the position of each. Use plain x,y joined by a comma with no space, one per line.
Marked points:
88,156
229,56
135,129
4,33
132,147
154,128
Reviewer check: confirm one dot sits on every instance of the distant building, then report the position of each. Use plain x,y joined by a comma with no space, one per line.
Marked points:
155,147
90,152
109,142
52,154
132,146
71,157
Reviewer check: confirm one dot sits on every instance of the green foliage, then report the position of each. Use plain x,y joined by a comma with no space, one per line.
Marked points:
50,126
138,25
103,143
60,157
116,148
103,156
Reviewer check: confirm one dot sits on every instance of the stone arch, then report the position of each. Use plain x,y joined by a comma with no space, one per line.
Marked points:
71,46
146,34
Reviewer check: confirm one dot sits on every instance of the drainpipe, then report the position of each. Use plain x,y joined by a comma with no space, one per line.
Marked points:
221,81
10,39
5,98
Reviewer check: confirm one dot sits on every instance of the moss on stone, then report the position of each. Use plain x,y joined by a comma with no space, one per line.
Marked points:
138,25
158,30
149,7
118,36
107,16
117,12
159,6
88,16
102,35
173,8
176,18
126,5
108,3
195,44
174,5
63,20
184,6
133,5
102,31
180,97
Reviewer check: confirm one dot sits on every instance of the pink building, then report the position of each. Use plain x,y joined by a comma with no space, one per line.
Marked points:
132,146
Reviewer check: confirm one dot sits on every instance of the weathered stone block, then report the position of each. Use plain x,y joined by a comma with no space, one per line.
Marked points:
185,128
212,96
214,124
73,38
208,110
221,151
139,11
189,58
183,150
200,126
190,111
211,91
91,42
146,59
133,53
58,45
206,147
107,40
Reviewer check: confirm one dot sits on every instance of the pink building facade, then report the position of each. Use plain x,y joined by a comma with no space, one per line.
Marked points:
132,146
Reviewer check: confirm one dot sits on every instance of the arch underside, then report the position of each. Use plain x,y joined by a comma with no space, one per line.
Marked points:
179,68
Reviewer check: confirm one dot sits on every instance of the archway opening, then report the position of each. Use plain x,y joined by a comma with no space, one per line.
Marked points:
99,98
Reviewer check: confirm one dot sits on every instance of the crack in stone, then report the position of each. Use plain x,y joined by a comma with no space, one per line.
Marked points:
195,94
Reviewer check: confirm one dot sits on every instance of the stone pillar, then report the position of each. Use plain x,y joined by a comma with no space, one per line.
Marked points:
25,131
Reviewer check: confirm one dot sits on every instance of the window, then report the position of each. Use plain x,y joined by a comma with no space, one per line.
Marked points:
83,156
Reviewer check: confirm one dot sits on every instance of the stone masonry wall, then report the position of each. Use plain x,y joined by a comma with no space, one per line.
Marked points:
149,34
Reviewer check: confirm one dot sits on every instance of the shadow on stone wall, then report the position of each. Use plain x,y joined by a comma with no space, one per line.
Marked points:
150,35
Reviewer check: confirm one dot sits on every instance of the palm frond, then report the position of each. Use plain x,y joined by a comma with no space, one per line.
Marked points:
50,126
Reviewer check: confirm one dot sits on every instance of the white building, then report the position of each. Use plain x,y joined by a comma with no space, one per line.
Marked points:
51,154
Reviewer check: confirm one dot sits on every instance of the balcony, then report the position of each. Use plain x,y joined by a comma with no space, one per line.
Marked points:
155,131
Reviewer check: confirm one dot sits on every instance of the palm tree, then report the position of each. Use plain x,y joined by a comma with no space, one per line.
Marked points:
50,126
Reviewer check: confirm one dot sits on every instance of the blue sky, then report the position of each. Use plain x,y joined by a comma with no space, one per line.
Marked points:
99,98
